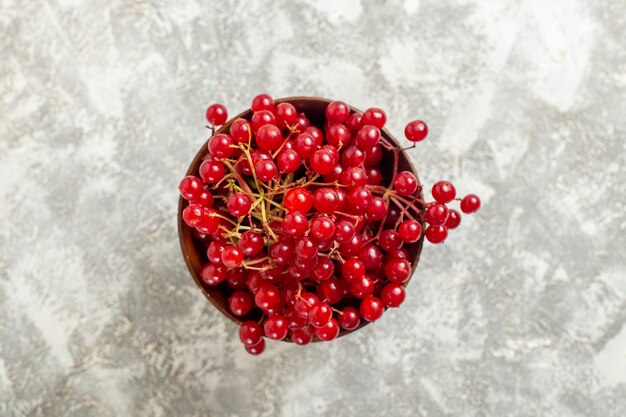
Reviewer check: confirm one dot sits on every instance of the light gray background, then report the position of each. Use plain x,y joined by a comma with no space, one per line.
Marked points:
520,313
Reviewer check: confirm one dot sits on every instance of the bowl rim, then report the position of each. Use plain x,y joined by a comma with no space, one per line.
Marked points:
182,203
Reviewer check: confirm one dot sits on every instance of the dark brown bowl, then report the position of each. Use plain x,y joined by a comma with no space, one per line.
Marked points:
194,252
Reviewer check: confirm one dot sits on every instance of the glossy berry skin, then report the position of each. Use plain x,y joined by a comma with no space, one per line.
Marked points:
262,118
392,295
232,257
374,176
375,117
377,209
267,297
410,231
405,183
390,240
250,333
295,224
371,256
323,270
276,327
192,215
256,349
266,170
220,146
262,102
362,287
443,191
288,161
367,137
238,204
240,130
350,318
305,145
331,291
251,243
286,115
304,303
352,156
211,171
320,314
322,162
436,214
360,199
214,252
205,199
216,114
298,199
190,187
436,234
337,112
353,177
373,156
322,228
454,219
344,231
236,278
398,270
329,331
470,204
416,131
353,269
354,122
282,251
306,248
240,303
213,274
371,308
269,138
338,135
302,336
325,200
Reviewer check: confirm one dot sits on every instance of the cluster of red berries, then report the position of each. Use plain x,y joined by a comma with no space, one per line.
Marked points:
304,225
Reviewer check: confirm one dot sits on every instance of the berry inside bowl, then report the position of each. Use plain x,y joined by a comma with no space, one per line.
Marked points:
354,281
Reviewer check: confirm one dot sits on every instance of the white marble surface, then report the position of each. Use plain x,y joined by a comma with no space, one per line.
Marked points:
521,313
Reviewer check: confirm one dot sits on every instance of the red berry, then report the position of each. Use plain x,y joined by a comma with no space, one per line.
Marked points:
367,137
325,200
410,231
352,247
317,134
216,114
377,210
295,224
269,138
362,287
298,199
349,319
276,327
390,240
288,161
392,295
305,145
405,183
214,252
220,146
416,131
306,248
320,314
238,204
398,270
282,251
256,349
303,304
212,171
322,228
302,122
338,135
373,156
302,336
190,187
353,177
454,219
262,102
344,231
213,274
192,215
209,223
240,130
250,333
436,234
436,214
337,112
371,256
374,176
265,169
360,199
232,257
254,281
354,122
267,297
251,243
331,291
323,270
353,269
262,118
236,278
329,331
286,115
322,162
352,156
470,204
205,199
443,191
371,308
375,117
240,303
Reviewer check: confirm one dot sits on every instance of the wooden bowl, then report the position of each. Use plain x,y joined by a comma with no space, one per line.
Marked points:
194,252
